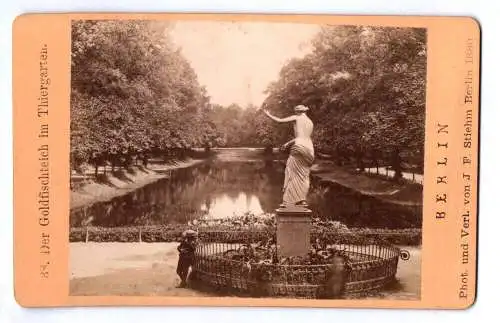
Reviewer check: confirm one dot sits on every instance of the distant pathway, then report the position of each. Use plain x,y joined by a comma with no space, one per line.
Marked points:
417,178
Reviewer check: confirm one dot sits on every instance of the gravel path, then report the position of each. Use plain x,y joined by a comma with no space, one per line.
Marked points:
148,269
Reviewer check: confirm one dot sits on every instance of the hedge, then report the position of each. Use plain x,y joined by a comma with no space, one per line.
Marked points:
172,233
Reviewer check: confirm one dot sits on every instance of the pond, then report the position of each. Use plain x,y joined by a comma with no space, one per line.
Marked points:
226,186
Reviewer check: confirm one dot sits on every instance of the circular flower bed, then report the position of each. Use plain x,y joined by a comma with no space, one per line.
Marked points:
249,265
238,255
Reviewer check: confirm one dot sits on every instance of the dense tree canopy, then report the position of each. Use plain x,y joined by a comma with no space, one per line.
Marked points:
365,87
133,93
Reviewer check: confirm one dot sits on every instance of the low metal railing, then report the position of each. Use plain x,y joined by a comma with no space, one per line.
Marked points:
364,268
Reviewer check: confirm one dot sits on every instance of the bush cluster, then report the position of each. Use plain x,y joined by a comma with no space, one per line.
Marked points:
172,233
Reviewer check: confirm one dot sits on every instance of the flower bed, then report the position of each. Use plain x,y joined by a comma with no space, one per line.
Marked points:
328,271
238,255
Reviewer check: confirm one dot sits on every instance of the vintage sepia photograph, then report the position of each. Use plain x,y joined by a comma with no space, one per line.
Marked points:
246,159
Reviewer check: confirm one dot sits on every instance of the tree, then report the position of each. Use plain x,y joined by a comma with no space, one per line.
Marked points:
132,93
365,87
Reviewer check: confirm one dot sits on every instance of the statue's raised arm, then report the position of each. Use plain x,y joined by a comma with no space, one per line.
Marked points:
287,119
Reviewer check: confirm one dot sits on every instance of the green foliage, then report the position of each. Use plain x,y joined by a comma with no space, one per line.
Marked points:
366,90
234,125
132,92
231,234
237,126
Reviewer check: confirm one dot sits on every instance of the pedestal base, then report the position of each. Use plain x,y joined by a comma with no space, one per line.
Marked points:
293,231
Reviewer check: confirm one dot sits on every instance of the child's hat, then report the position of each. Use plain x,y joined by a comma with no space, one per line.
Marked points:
190,233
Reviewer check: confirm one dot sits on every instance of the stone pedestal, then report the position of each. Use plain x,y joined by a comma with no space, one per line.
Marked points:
293,231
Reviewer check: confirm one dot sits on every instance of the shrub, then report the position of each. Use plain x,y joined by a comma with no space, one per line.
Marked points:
228,234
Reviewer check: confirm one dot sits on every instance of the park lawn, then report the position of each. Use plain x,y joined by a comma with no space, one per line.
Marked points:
123,182
399,193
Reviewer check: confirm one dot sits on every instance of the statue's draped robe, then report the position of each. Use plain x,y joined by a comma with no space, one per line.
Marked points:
298,168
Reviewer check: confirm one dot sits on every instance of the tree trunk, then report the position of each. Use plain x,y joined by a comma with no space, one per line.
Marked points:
396,165
166,156
375,161
359,161
128,160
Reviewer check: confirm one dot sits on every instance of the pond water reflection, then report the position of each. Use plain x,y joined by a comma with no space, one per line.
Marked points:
225,206
221,188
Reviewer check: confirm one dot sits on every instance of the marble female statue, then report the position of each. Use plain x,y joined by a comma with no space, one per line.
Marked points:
298,166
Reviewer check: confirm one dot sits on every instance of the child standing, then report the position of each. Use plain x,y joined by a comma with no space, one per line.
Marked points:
186,254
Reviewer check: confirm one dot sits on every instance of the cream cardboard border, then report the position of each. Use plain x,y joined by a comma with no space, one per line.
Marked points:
448,40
